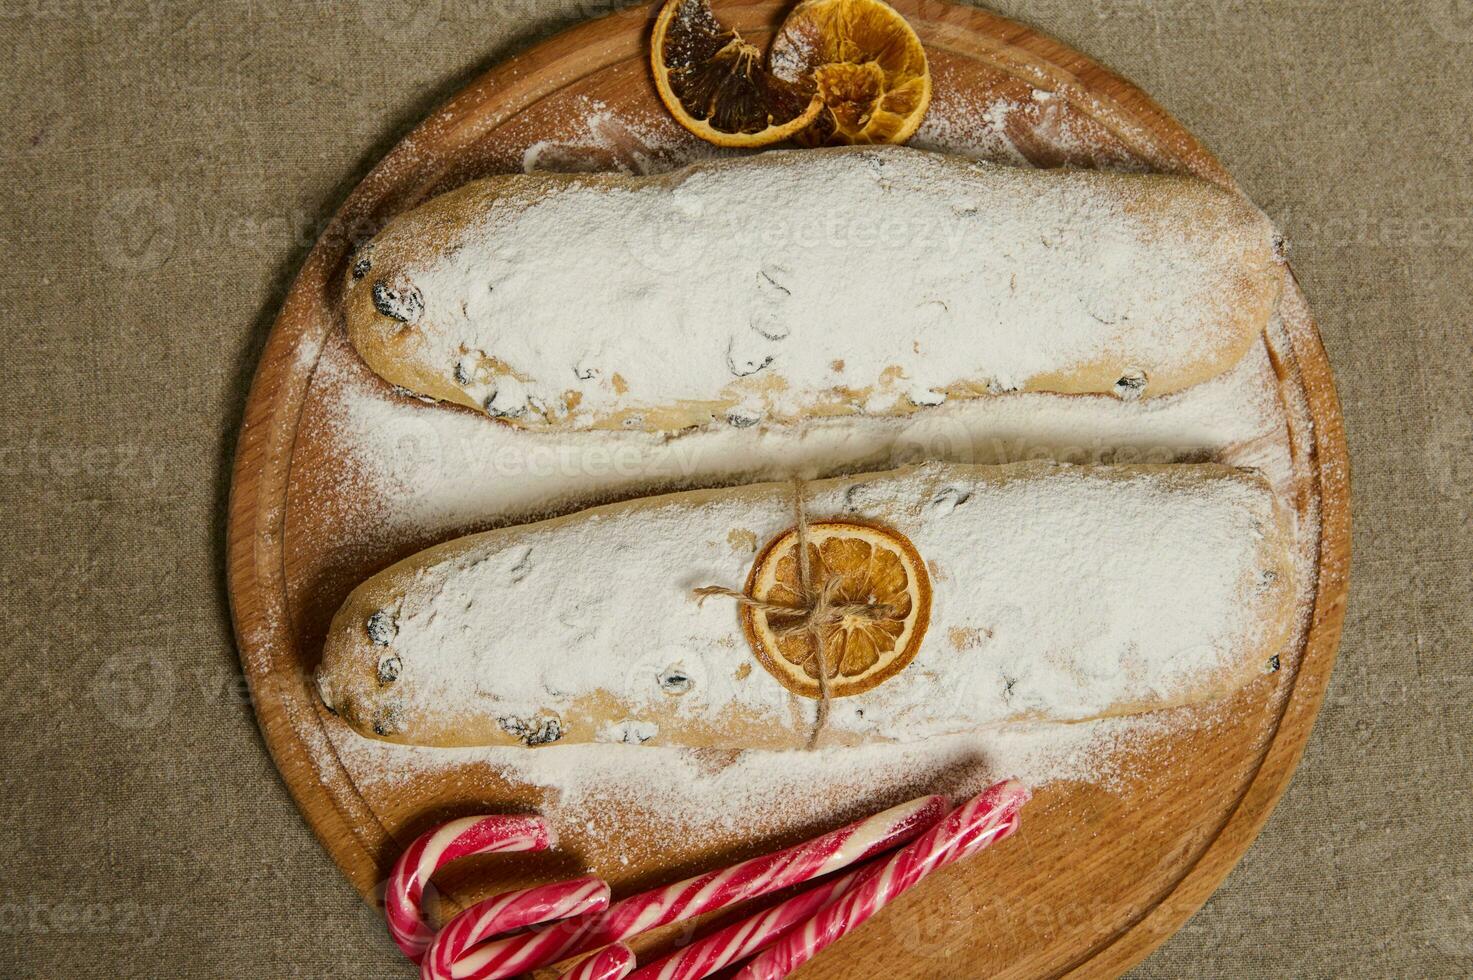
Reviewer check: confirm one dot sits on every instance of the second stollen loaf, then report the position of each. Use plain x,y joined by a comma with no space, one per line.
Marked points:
949,598
790,285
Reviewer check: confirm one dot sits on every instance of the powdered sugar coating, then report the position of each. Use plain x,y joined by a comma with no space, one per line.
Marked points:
1060,593
879,279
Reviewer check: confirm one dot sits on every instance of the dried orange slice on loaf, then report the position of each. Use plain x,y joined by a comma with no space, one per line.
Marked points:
863,61
867,601
714,82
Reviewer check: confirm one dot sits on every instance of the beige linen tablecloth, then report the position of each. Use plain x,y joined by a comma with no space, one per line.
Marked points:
145,831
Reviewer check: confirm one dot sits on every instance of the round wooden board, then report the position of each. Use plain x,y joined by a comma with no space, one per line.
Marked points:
1098,877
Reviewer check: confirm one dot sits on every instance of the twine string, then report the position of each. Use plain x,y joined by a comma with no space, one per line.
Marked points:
817,609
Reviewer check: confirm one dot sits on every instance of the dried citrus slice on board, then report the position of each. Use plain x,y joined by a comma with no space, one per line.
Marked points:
863,61
873,600
714,83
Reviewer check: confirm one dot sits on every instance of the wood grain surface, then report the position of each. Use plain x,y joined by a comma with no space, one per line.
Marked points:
1097,877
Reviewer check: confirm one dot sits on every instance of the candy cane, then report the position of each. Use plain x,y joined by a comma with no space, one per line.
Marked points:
704,893
612,963
505,913
741,939
432,851
985,819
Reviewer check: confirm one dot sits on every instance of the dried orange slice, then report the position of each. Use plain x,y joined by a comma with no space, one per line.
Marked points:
863,61
715,85
873,600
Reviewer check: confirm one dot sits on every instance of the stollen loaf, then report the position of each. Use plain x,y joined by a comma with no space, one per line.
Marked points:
795,284
1032,591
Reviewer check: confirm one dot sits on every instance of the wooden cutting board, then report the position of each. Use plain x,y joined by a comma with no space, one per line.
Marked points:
1099,876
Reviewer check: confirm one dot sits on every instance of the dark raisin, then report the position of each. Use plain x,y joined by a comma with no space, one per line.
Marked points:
381,628
1130,385
542,731
388,669
548,732
364,262
496,411
673,680
1274,663
739,419
390,720
404,305
949,500
632,735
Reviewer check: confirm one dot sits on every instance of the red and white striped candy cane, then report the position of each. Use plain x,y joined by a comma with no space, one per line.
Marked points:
966,830
704,893
612,963
505,913
741,939
432,851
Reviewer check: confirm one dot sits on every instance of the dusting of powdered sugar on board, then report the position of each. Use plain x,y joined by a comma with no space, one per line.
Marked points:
437,470
423,472
1024,126
605,141
680,789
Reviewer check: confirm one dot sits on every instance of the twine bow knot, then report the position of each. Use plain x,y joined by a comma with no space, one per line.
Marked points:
818,608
